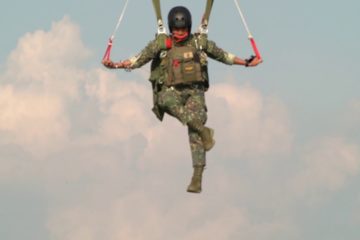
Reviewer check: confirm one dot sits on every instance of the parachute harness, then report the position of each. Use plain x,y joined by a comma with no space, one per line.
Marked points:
203,28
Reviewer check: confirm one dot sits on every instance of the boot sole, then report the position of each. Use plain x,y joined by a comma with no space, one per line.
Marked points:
193,191
190,191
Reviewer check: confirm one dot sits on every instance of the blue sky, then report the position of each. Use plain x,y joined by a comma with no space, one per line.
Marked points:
83,157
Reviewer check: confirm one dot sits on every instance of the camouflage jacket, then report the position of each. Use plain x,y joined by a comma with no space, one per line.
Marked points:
156,47
156,51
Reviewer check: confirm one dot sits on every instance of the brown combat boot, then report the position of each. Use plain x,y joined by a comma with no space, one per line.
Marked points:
206,134
195,185
207,137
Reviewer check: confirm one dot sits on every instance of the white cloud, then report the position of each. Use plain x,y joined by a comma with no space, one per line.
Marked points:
124,177
141,215
49,61
42,75
351,118
42,82
34,121
46,67
248,123
124,105
328,165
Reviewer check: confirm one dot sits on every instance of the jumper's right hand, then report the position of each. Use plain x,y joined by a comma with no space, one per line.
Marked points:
110,64
126,64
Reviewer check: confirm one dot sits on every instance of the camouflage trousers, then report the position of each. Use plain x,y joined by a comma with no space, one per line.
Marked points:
186,104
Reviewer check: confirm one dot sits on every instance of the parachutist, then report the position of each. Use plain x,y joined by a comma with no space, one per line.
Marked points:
179,79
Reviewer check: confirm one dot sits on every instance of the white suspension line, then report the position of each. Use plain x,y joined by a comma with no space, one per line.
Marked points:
243,19
120,19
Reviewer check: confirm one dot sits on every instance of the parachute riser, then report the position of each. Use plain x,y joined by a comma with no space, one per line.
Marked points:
203,28
111,39
160,23
251,38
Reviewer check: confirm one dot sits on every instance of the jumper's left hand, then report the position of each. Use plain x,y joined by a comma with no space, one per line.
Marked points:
256,61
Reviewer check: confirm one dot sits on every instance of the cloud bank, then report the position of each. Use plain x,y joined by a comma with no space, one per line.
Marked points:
109,169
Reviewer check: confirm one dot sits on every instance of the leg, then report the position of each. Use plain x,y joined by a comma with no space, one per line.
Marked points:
197,108
173,103
197,112
198,153
188,106
199,161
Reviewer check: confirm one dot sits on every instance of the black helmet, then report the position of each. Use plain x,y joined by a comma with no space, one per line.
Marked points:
179,17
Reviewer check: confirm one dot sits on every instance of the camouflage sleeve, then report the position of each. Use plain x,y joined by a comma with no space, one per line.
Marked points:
146,55
218,54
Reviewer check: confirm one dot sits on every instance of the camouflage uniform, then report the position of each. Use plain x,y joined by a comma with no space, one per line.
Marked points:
186,103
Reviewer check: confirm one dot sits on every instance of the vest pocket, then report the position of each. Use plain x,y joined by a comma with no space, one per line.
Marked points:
191,71
184,66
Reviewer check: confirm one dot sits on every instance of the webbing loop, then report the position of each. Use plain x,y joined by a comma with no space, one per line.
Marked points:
203,28
159,20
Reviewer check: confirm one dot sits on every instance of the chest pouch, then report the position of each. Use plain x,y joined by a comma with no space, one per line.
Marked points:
184,66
